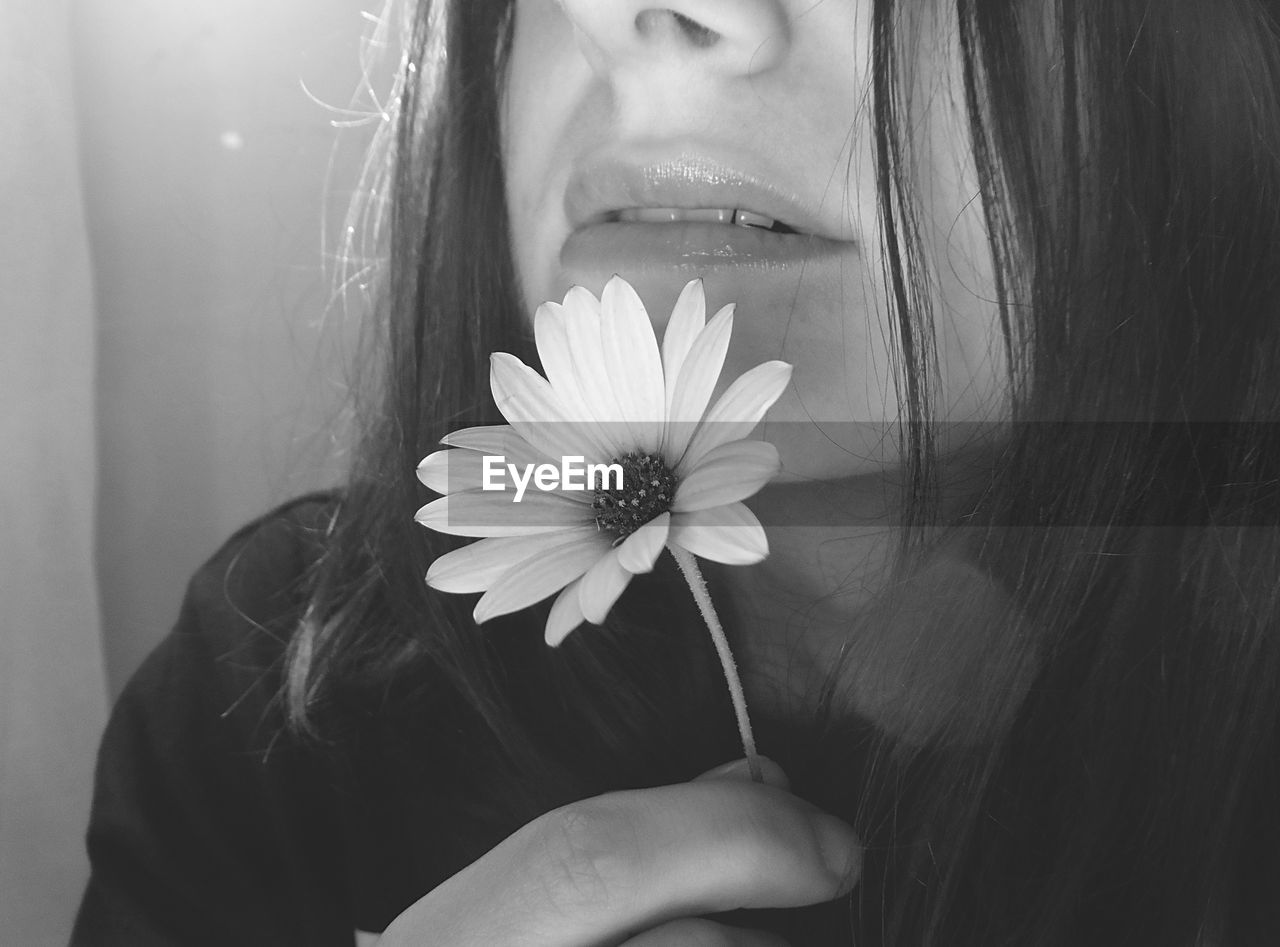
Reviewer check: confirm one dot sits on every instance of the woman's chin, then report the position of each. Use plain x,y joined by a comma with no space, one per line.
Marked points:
831,452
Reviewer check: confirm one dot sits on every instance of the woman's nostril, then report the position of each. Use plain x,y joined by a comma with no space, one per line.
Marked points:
696,33
653,23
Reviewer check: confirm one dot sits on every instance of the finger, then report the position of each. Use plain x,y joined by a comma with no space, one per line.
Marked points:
699,932
627,861
741,769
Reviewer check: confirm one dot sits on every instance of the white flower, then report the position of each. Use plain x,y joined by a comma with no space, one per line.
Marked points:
609,396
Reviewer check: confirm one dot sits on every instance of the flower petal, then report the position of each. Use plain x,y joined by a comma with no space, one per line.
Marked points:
552,339
638,552
497,439
632,359
601,586
550,330
475,567
566,614
494,513
539,576
485,437
553,351
448,471
488,439
528,402
688,317
581,300
698,377
737,411
729,473
582,325
730,534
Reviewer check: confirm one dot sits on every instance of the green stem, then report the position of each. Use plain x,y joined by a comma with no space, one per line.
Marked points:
697,585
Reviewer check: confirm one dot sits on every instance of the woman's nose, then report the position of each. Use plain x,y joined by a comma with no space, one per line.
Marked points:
742,37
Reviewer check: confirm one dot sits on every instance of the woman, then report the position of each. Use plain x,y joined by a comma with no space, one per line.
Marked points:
1019,625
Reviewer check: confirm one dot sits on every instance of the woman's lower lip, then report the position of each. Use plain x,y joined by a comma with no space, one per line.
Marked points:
688,246
763,273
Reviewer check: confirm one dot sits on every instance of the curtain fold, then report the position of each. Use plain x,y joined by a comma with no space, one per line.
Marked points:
52,685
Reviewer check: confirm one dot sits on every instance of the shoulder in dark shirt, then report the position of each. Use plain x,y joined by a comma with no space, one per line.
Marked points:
211,823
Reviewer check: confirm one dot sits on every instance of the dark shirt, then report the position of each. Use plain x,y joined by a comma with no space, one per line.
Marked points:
212,823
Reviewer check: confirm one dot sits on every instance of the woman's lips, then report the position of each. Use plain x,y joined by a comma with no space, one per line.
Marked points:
684,246
644,207
763,272
662,213
680,176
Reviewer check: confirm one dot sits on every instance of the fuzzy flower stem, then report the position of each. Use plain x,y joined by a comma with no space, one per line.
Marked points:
688,564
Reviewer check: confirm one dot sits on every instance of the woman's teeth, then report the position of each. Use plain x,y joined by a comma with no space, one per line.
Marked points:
710,215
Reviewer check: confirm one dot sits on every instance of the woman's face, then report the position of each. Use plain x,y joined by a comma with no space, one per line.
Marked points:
731,140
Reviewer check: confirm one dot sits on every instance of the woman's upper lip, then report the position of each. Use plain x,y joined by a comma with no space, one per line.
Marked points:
618,179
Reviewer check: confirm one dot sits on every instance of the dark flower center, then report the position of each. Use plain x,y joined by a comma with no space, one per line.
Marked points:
648,489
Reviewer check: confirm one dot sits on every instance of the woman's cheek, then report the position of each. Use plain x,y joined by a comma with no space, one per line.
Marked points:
545,106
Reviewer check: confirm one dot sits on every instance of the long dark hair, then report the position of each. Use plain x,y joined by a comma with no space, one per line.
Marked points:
1120,782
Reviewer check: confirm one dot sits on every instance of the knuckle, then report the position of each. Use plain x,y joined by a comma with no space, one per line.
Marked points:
586,854
768,830
754,831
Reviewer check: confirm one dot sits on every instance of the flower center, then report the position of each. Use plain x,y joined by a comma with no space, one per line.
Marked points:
648,490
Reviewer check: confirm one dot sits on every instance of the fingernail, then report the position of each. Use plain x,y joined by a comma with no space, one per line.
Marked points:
730,769
741,769
841,852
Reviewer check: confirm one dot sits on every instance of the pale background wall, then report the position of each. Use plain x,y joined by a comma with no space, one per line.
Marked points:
165,370
205,166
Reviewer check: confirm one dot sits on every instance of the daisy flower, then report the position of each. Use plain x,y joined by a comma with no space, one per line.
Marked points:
671,471
610,396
